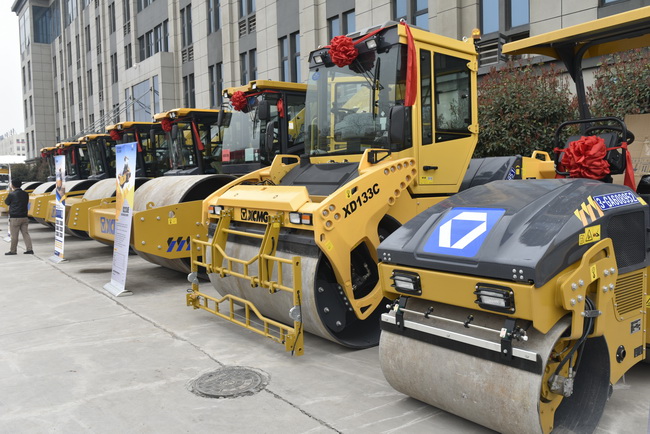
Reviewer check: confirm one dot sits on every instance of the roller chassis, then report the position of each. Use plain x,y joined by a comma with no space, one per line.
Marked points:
338,228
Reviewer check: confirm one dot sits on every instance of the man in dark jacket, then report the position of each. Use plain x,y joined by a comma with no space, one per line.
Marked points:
18,200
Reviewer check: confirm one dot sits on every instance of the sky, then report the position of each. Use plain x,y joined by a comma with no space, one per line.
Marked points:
11,107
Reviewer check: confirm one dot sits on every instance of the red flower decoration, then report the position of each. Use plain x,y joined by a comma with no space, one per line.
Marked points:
342,51
585,158
166,124
115,135
238,101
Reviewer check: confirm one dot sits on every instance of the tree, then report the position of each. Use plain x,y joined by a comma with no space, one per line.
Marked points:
622,85
520,106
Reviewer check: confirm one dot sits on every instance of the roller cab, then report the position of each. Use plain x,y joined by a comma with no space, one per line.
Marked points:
519,297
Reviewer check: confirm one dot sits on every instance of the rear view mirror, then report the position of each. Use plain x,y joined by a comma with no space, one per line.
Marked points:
264,110
398,124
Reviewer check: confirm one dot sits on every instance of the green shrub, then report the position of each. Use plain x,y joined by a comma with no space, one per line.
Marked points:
520,106
622,85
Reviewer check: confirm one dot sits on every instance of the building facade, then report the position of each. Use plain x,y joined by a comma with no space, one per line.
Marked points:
12,143
89,63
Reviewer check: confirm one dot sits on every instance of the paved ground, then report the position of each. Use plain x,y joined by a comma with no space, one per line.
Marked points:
75,359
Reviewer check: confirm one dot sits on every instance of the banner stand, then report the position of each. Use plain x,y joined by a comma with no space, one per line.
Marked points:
117,290
59,225
7,238
124,193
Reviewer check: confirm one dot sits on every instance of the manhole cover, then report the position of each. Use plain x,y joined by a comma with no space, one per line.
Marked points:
230,382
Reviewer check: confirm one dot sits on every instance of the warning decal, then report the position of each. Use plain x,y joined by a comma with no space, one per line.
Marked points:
590,235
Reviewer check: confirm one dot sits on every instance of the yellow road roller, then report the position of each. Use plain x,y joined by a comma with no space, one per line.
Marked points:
98,150
95,215
219,144
295,244
518,305
77,163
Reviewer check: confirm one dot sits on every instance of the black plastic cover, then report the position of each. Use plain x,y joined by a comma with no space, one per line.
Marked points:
484,170
321,179
523,230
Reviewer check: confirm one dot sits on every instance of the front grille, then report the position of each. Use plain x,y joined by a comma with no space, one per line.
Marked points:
628,294
627,232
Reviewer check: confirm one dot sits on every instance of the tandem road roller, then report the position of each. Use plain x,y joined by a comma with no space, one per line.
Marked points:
518,305
388,132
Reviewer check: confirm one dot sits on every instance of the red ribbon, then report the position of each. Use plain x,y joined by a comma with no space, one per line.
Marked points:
342,51
166,124
139,142
197,137
411,68
115,135
280,105
585,158
238,101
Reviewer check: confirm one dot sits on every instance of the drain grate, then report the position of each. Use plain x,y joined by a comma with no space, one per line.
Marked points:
230,382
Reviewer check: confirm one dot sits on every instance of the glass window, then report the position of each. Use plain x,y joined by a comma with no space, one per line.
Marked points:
283,43
243,68
89,80
519,13
214,18
349,22
334,26
399,8
489,16
453,108
156,95
425,97
87,32
141,105
295,46
253,64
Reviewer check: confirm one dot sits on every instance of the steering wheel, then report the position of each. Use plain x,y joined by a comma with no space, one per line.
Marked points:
629,139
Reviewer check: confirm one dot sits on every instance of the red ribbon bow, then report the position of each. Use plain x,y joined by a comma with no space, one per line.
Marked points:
238,101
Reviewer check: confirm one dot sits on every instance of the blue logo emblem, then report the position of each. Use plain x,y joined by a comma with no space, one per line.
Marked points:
462,231
107,226
615,200
511,174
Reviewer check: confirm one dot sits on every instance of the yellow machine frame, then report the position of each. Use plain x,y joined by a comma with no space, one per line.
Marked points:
393,184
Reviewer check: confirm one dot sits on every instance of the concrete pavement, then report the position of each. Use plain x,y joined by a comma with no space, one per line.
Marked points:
74,359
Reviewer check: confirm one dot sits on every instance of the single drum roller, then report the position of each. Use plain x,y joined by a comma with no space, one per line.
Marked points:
166,215
100,190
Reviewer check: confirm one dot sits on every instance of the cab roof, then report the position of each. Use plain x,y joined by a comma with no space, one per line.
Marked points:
183,112
600,37
258,85
127,125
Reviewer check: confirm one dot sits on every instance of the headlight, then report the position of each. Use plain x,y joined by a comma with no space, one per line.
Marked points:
318,60
495,298
371,44
406,282
215,209
298,218
172,115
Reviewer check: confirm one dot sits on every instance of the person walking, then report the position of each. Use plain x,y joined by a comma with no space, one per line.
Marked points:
18,200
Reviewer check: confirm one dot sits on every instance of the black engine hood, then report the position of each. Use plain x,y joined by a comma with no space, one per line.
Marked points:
524,231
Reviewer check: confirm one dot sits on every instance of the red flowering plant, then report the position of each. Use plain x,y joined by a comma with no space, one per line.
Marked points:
238,101
342,51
